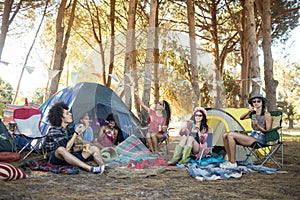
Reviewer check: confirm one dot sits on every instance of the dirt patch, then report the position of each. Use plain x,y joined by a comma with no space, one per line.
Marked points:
171,184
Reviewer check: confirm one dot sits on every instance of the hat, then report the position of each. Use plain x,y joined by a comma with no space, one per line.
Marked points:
259,96
109,153
199,109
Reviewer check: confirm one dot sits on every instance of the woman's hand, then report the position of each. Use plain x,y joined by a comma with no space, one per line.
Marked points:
251,109
255,122
258,127
247,114
183,131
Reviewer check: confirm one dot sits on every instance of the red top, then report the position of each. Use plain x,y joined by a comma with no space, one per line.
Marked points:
156,122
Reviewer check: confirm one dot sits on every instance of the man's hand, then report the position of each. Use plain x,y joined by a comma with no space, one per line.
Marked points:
80,129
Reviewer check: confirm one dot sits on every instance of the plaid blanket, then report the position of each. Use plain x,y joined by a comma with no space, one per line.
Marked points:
45,166
133,149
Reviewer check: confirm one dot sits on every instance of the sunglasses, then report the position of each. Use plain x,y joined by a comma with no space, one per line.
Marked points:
161,103
256,101
198,115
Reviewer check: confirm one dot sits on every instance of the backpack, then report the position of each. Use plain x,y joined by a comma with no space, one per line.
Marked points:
7,143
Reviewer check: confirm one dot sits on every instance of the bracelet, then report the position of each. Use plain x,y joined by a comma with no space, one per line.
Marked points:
76,133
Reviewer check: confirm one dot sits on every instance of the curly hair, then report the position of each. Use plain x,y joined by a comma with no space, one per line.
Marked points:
56,113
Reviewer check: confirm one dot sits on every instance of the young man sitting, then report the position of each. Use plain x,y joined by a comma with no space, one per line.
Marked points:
60,141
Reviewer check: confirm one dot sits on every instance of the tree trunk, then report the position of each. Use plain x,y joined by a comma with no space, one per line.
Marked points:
156,59
6,21
130,56
245,75
218,80
253,47
61,42
194,67
264,8
149,53
112,36
149,57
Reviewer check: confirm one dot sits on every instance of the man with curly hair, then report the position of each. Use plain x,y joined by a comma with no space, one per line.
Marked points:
60,141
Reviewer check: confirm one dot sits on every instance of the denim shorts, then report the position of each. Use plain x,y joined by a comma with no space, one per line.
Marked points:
52,159
260,137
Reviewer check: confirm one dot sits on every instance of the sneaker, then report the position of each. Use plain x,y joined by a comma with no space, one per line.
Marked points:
222,164
98,170
228,165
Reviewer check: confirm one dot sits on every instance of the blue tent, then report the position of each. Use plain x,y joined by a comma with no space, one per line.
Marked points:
97,100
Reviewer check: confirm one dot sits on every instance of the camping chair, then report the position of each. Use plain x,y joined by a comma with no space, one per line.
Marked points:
163,143
209,142
267,151
28,122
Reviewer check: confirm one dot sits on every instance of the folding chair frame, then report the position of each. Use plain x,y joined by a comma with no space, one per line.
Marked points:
28,137
163,143
272,145
209,145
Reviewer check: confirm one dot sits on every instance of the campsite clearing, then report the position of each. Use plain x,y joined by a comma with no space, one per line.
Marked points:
173,184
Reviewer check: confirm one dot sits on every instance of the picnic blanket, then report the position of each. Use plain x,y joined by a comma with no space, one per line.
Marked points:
47,167
133,149
146,164
214,172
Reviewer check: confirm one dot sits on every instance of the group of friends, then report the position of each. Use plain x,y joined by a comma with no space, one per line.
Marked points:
61,139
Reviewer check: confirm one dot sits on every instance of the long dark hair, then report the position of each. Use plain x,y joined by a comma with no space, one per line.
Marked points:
167,112
203,121
263,107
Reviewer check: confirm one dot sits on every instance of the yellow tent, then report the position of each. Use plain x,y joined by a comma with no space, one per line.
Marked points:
226,120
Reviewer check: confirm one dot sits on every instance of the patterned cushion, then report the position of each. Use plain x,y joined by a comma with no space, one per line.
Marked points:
10,172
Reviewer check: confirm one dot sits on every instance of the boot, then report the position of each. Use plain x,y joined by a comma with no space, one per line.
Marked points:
186,154
177,155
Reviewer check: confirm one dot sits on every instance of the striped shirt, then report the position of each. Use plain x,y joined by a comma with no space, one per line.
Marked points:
56,137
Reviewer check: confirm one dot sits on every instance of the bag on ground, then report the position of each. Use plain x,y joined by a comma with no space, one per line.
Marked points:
7,143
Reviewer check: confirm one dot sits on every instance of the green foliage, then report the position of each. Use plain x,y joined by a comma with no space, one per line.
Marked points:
38,96
175,75
5,95
232,89
288,88
285,17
